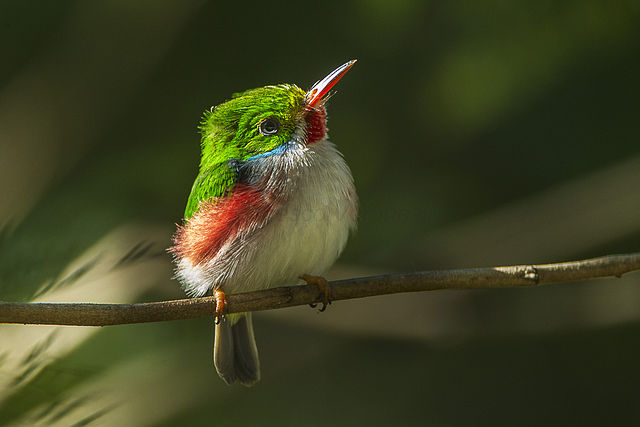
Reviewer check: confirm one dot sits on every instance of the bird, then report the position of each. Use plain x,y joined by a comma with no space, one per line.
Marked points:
273,203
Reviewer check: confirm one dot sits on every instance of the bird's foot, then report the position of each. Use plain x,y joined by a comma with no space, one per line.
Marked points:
324,287
221,304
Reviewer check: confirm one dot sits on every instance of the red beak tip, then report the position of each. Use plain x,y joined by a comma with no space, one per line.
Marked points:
321,88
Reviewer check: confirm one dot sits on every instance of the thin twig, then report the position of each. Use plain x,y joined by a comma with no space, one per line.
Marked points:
81,314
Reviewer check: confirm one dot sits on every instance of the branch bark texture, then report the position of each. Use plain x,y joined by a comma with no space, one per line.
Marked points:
83,314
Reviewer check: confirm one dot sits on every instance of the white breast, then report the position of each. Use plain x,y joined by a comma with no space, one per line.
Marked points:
305,236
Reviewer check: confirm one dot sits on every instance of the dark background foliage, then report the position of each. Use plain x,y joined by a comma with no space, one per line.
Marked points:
478,133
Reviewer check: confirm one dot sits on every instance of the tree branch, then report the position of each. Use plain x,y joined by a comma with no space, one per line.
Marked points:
82,314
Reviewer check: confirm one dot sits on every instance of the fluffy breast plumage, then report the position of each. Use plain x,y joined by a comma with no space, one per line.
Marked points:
295,222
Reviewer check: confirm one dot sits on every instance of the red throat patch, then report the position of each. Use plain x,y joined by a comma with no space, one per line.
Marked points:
218,221
316,125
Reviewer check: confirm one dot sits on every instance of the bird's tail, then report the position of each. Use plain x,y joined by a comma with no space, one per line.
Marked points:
235,352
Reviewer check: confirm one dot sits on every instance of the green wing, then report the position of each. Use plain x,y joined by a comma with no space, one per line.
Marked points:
212,183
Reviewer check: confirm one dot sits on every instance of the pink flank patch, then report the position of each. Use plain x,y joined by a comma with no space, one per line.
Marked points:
316,125
217,221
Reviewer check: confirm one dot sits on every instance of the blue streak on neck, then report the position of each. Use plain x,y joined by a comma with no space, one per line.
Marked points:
278,150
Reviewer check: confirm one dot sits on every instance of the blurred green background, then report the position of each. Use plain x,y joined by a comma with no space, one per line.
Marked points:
478,133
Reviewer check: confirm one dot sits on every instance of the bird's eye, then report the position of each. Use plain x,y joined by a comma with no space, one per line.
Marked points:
269,127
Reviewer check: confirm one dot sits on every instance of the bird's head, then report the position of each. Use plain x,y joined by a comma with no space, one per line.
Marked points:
261,121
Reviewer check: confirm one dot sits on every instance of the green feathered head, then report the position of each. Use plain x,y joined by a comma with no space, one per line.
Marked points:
252,122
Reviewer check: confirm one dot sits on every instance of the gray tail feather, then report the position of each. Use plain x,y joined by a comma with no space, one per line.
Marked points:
235,352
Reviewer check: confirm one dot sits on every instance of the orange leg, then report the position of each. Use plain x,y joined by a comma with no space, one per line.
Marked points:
221,304
324,287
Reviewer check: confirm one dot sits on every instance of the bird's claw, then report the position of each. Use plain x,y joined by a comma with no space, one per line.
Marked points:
221,305
324,287
324,306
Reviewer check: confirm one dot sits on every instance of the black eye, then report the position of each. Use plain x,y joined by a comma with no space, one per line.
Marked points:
269,127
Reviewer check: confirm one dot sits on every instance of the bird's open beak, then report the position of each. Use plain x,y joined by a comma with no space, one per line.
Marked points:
321,88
